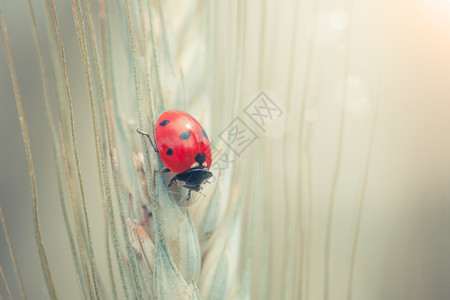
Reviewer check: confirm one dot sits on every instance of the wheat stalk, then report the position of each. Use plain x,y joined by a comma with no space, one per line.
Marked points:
24,129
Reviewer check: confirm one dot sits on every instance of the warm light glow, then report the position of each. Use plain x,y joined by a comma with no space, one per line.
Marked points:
436,11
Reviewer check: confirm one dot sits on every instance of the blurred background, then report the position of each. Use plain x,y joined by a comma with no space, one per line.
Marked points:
364,91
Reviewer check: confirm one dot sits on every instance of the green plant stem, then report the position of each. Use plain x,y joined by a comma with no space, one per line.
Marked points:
294,232
155,53
5,283
111,140
59,87
108,251
362,196
76,218
337,169
12,254
51,123
147,62
23,125
72,127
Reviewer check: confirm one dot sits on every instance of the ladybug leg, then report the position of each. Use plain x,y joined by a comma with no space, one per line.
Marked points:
188,196
162,170
172,181
149,138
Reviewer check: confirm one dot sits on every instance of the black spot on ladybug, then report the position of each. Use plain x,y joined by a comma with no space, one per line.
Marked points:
169,151
164,123
185,135
204,133
200,158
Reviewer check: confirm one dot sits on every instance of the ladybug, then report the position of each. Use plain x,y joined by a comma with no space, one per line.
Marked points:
184,148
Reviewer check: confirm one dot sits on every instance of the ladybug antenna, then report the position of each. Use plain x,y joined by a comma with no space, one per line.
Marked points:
149,138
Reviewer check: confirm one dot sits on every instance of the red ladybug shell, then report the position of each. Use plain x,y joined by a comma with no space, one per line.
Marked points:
181,141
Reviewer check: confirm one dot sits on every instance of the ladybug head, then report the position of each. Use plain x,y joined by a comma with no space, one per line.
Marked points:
194,177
